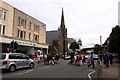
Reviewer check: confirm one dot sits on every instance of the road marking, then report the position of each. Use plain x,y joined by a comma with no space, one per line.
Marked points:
19,73
93,71
46,67
29,71
16,74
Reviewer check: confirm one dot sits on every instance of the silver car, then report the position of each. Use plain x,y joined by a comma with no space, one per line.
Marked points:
13,61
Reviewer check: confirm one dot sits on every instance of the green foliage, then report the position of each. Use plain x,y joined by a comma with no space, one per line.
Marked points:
98,49
55,44
54,47
114,40
74,46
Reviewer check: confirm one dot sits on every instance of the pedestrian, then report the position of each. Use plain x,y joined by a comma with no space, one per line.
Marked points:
106,59
57,58
80,59
48,58
88,59
91,60
38,57
111,58
77,61
45,58
83,59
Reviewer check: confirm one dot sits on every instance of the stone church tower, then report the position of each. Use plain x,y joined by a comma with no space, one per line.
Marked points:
63,36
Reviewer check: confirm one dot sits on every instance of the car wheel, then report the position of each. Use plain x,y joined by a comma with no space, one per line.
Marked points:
31,65
12,68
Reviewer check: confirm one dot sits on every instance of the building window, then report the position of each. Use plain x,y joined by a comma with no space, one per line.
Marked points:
34,27
19,21
22,22
29,36
21,34
1,13
18,33
38,38
25,23
24,34
38,29
30,25
4,15
3,29
0,28
33,37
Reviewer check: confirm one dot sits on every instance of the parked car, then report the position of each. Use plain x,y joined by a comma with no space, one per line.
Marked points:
86,56
95,56
13,61
67,57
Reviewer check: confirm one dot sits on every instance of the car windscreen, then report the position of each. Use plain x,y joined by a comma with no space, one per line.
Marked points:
2,56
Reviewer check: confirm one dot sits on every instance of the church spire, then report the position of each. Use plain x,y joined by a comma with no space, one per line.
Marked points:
62,26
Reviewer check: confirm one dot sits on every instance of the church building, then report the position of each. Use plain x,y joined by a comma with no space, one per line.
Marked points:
57,39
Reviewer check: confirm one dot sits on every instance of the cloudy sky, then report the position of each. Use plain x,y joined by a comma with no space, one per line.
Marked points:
84,19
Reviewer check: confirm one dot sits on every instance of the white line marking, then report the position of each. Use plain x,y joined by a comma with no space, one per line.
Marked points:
46,67
93,71
20,73
16,74
29,71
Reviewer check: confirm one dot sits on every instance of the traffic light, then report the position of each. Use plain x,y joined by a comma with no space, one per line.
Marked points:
15,45
12,44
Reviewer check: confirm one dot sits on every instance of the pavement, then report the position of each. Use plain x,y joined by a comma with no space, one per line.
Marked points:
112,72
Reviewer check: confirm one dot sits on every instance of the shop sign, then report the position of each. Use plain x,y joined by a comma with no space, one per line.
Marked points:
25,43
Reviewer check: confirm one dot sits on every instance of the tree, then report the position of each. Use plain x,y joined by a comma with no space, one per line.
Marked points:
98,49
114,40
54,47
74,46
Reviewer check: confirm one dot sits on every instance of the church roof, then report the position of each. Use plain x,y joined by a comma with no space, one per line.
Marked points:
52,35
70,40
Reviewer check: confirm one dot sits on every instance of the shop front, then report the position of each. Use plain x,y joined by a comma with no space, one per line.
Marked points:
25,47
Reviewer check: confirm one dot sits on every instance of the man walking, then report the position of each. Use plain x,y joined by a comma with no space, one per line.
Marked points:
91,60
